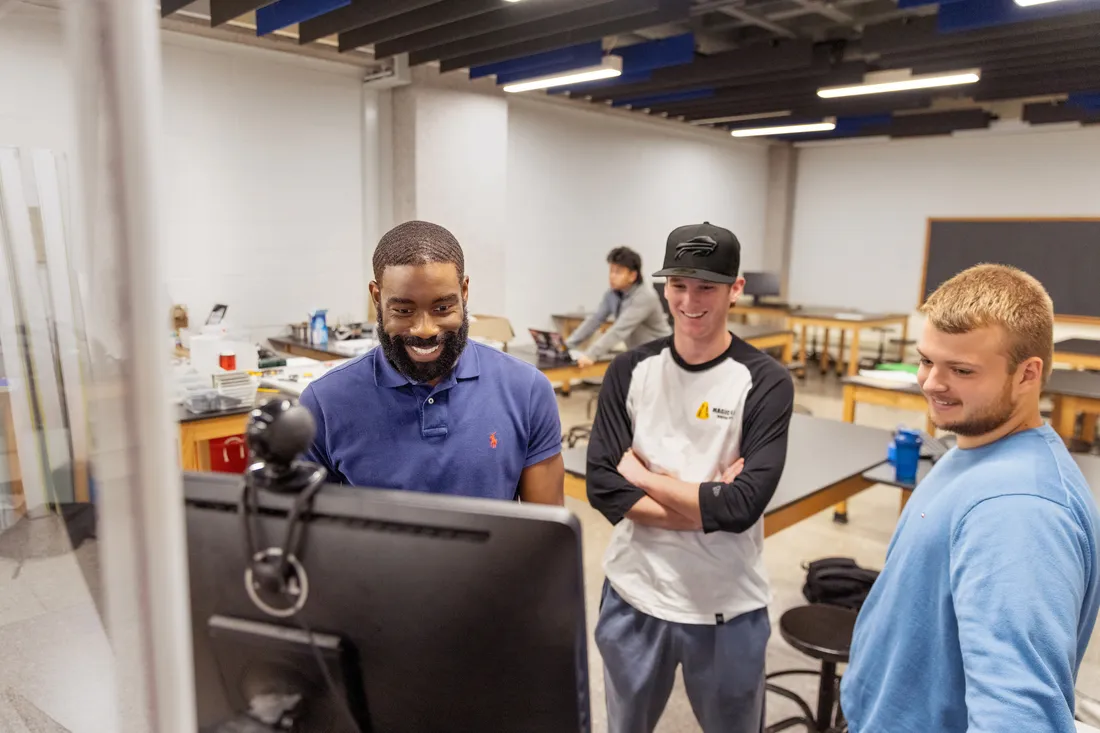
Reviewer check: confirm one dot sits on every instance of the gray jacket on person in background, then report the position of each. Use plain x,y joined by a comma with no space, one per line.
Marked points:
639,319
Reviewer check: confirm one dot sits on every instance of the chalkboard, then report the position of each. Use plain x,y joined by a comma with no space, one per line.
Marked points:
1063,254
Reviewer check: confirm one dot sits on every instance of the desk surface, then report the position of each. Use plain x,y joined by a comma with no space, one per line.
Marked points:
184,415
820,453
844,315
1062,382
884,472
893,386
531,356
1078,346
287,341
748,332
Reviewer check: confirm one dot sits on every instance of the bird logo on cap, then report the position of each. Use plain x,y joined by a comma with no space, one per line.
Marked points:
700,246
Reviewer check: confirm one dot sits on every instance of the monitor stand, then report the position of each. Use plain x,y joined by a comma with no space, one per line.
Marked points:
273,679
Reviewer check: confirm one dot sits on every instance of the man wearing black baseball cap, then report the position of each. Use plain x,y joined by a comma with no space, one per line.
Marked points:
687,448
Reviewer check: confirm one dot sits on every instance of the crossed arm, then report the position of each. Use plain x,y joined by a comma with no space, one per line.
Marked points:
621,486
669,503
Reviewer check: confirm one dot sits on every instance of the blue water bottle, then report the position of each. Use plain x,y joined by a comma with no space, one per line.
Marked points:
907,445
318,328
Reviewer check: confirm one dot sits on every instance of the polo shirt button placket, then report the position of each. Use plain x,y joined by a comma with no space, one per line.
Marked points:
433,419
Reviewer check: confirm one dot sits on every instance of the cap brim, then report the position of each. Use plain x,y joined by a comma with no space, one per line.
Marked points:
712,277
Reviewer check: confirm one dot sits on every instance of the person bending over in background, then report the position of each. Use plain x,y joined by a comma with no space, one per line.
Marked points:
428,410
687,448
984,608
638,313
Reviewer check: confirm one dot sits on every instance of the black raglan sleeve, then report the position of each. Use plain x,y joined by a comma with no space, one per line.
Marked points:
735,507
612,434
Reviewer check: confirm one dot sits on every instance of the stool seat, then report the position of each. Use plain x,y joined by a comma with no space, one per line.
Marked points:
820,631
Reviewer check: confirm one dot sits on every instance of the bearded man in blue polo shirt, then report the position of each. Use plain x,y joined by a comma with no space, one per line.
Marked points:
428,410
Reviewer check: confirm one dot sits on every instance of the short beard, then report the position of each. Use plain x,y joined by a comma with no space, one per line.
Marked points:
454,343
986,422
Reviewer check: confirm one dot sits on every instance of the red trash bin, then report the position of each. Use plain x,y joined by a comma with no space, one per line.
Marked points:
229,455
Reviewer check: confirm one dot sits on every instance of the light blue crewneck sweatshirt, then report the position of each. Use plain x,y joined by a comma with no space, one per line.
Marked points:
983,611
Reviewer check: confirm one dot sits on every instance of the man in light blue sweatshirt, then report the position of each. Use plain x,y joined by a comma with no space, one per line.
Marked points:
982,614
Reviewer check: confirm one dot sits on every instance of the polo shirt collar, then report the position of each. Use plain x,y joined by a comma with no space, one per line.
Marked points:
468,367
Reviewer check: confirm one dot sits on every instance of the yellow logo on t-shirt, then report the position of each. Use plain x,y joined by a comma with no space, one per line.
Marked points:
704,412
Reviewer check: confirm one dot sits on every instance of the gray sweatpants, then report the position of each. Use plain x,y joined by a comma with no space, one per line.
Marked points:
723,668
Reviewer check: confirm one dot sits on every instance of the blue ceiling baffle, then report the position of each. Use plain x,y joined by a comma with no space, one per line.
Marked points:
1085,100
282,13
967,15
541,64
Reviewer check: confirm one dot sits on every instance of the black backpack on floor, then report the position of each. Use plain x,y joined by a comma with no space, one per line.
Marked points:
838,581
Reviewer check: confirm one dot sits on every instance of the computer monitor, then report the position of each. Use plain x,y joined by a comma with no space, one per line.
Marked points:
761,284
418,612
660,288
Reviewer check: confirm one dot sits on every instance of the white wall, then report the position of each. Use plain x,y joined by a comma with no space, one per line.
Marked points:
263,168
580,184
461,168
861,209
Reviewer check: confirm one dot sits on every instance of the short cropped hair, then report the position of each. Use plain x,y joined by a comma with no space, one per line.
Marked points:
628,258
998,295
417,243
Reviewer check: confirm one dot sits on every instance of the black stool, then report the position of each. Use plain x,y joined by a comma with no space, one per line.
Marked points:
825,633
583,431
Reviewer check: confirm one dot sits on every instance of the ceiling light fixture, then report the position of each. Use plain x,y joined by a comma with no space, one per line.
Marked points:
1029,3
785,129
893,82
611,66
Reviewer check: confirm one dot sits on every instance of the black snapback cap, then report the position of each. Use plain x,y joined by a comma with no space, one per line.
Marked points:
702,251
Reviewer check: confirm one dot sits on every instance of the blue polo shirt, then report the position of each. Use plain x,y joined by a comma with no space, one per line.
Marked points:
470,435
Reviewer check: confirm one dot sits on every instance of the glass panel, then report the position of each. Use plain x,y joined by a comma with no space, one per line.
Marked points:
57,671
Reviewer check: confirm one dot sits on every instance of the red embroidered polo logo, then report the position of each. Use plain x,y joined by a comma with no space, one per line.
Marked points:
492,440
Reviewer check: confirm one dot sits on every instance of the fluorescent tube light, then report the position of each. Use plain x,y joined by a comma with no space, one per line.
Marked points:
1029,3
785,129
612,66
901,85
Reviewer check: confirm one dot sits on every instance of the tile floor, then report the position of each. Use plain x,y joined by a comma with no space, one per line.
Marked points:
55,661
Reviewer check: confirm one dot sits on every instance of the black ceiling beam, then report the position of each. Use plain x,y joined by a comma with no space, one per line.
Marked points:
763,90
937,123
749,94
775,104
1020,64
783,77
670,11
561,16
1009,56
1077,80
920,33
167,7
864,106
850,74
359,13
1043,113
758,60
223,11
415,21
512,18
1033,43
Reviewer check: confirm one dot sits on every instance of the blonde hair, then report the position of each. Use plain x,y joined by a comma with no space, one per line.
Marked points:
997,295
